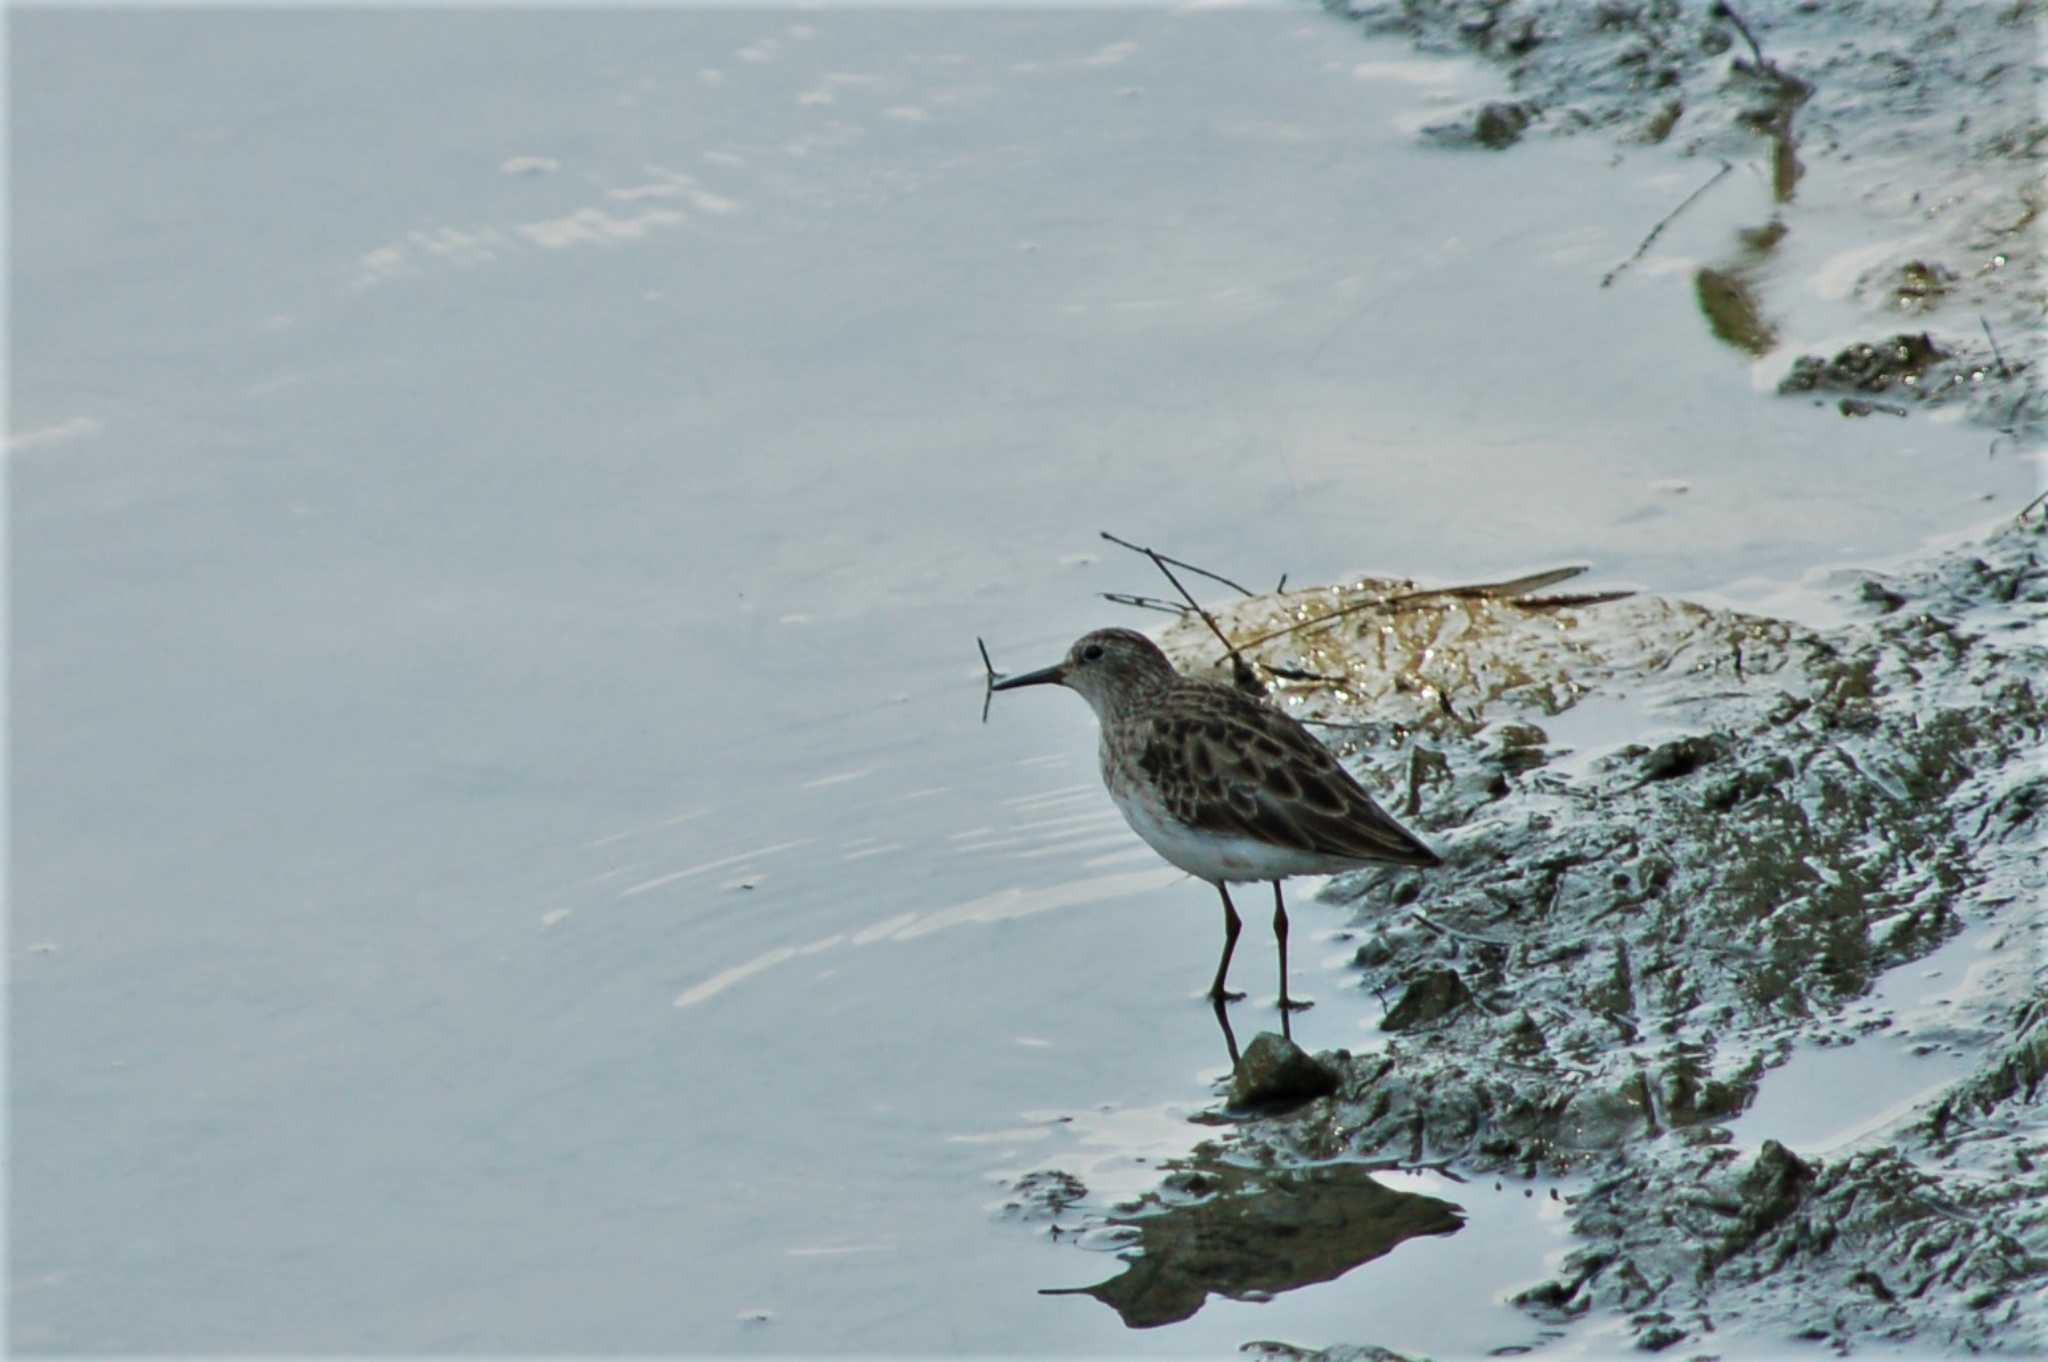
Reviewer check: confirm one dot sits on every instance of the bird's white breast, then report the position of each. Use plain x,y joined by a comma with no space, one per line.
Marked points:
1204,855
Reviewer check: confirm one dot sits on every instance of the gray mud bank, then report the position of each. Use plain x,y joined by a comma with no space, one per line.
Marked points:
1687,848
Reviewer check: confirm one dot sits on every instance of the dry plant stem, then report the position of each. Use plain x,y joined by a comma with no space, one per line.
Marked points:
1723,10
1158,557
2004,370
1656,231
1193,604
1143,602
1241,673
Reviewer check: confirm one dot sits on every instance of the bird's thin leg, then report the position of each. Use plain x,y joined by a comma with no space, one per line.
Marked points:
1231,927
1287,1004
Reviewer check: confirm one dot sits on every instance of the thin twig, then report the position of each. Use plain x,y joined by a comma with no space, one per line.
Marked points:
1297,674
1193,604
1337,614
1160,557
1723,10
1142,602
988,696
2004,369
1241,673
1657,231
1436,926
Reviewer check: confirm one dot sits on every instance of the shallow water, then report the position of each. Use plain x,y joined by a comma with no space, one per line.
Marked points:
505,853
1825,1096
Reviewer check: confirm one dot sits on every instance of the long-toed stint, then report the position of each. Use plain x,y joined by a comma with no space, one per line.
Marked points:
1228,789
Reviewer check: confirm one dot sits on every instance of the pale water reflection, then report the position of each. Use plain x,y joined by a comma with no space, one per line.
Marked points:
1000,906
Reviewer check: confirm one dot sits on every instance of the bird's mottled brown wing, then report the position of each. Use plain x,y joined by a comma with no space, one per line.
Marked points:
1228,764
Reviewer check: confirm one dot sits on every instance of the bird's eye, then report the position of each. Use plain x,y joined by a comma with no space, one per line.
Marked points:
1092,653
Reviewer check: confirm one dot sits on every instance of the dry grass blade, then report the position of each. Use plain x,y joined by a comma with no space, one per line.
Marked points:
1514,586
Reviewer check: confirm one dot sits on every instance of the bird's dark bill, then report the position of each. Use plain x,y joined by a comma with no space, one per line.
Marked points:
1044,676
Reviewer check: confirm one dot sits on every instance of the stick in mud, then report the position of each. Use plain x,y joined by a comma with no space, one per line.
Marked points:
1719,175
2004,369
1723,10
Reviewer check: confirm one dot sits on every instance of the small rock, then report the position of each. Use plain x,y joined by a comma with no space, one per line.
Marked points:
1774,1185
1495,125
1680,757
1431,997
1499,125
1275,1070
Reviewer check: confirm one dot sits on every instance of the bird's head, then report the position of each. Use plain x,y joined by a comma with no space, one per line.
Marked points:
1107,667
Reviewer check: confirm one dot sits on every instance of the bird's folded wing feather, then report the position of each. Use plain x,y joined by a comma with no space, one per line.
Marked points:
1255,773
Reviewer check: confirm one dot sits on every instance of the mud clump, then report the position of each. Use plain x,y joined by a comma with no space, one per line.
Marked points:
1495,125
1915,367
1899,362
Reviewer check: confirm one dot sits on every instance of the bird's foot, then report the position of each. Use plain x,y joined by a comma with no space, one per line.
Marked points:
1224,995
1296,1004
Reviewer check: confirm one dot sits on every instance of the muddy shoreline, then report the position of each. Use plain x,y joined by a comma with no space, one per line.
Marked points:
1627,940
1630,938
1928,114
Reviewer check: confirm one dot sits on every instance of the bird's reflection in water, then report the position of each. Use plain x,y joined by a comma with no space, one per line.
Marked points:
1230,1036
1252,1233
